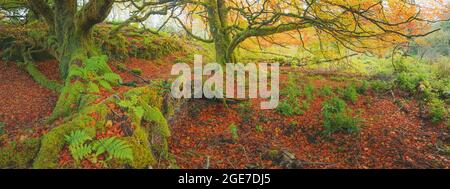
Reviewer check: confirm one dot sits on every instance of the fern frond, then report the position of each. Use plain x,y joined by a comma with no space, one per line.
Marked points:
115,147
112,78
79,152
93,88
77,138
77,72
105,84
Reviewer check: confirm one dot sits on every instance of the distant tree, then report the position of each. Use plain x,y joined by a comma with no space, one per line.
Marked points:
434,45
352,24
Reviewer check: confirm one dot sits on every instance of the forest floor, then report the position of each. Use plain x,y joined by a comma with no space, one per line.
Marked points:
201,136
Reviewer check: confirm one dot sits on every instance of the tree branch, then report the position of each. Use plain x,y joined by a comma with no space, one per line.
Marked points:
94,12
43,9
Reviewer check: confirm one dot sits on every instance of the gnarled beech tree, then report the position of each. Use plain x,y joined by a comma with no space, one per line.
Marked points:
70,40
353,24
71,26
68,36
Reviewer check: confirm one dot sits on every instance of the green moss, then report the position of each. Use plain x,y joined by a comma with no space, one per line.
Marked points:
143,156
53,142
146,104
134,42
149,122
83,81
42,79
19,155
67,101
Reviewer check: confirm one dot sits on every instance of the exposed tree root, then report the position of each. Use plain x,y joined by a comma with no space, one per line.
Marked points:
40,78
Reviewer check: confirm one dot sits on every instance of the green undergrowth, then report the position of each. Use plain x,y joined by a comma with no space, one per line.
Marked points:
337,117
147,143
429,82
296,99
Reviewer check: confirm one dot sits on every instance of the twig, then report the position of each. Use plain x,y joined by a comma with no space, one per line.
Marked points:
232,165
207,162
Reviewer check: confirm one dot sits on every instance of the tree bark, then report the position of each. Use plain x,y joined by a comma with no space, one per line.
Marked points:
218,23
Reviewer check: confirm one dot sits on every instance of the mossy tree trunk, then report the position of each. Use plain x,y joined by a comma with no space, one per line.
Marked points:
71,28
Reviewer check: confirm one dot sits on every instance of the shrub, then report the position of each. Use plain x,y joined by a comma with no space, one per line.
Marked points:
406,82
309,92
401,65
136,71
290,105
337,118
380,86
350,93
291,88
325,91
363,87
441,68
438,112
334,105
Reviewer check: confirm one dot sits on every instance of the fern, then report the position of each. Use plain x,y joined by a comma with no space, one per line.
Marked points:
112,78
93,88
80,149
79,152
138,111
76,71
97,73
105,84
77,138
97,64
116,148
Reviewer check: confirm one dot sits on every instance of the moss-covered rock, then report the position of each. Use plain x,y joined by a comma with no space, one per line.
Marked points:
135,42
149,135
53,142
20,154
143,156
